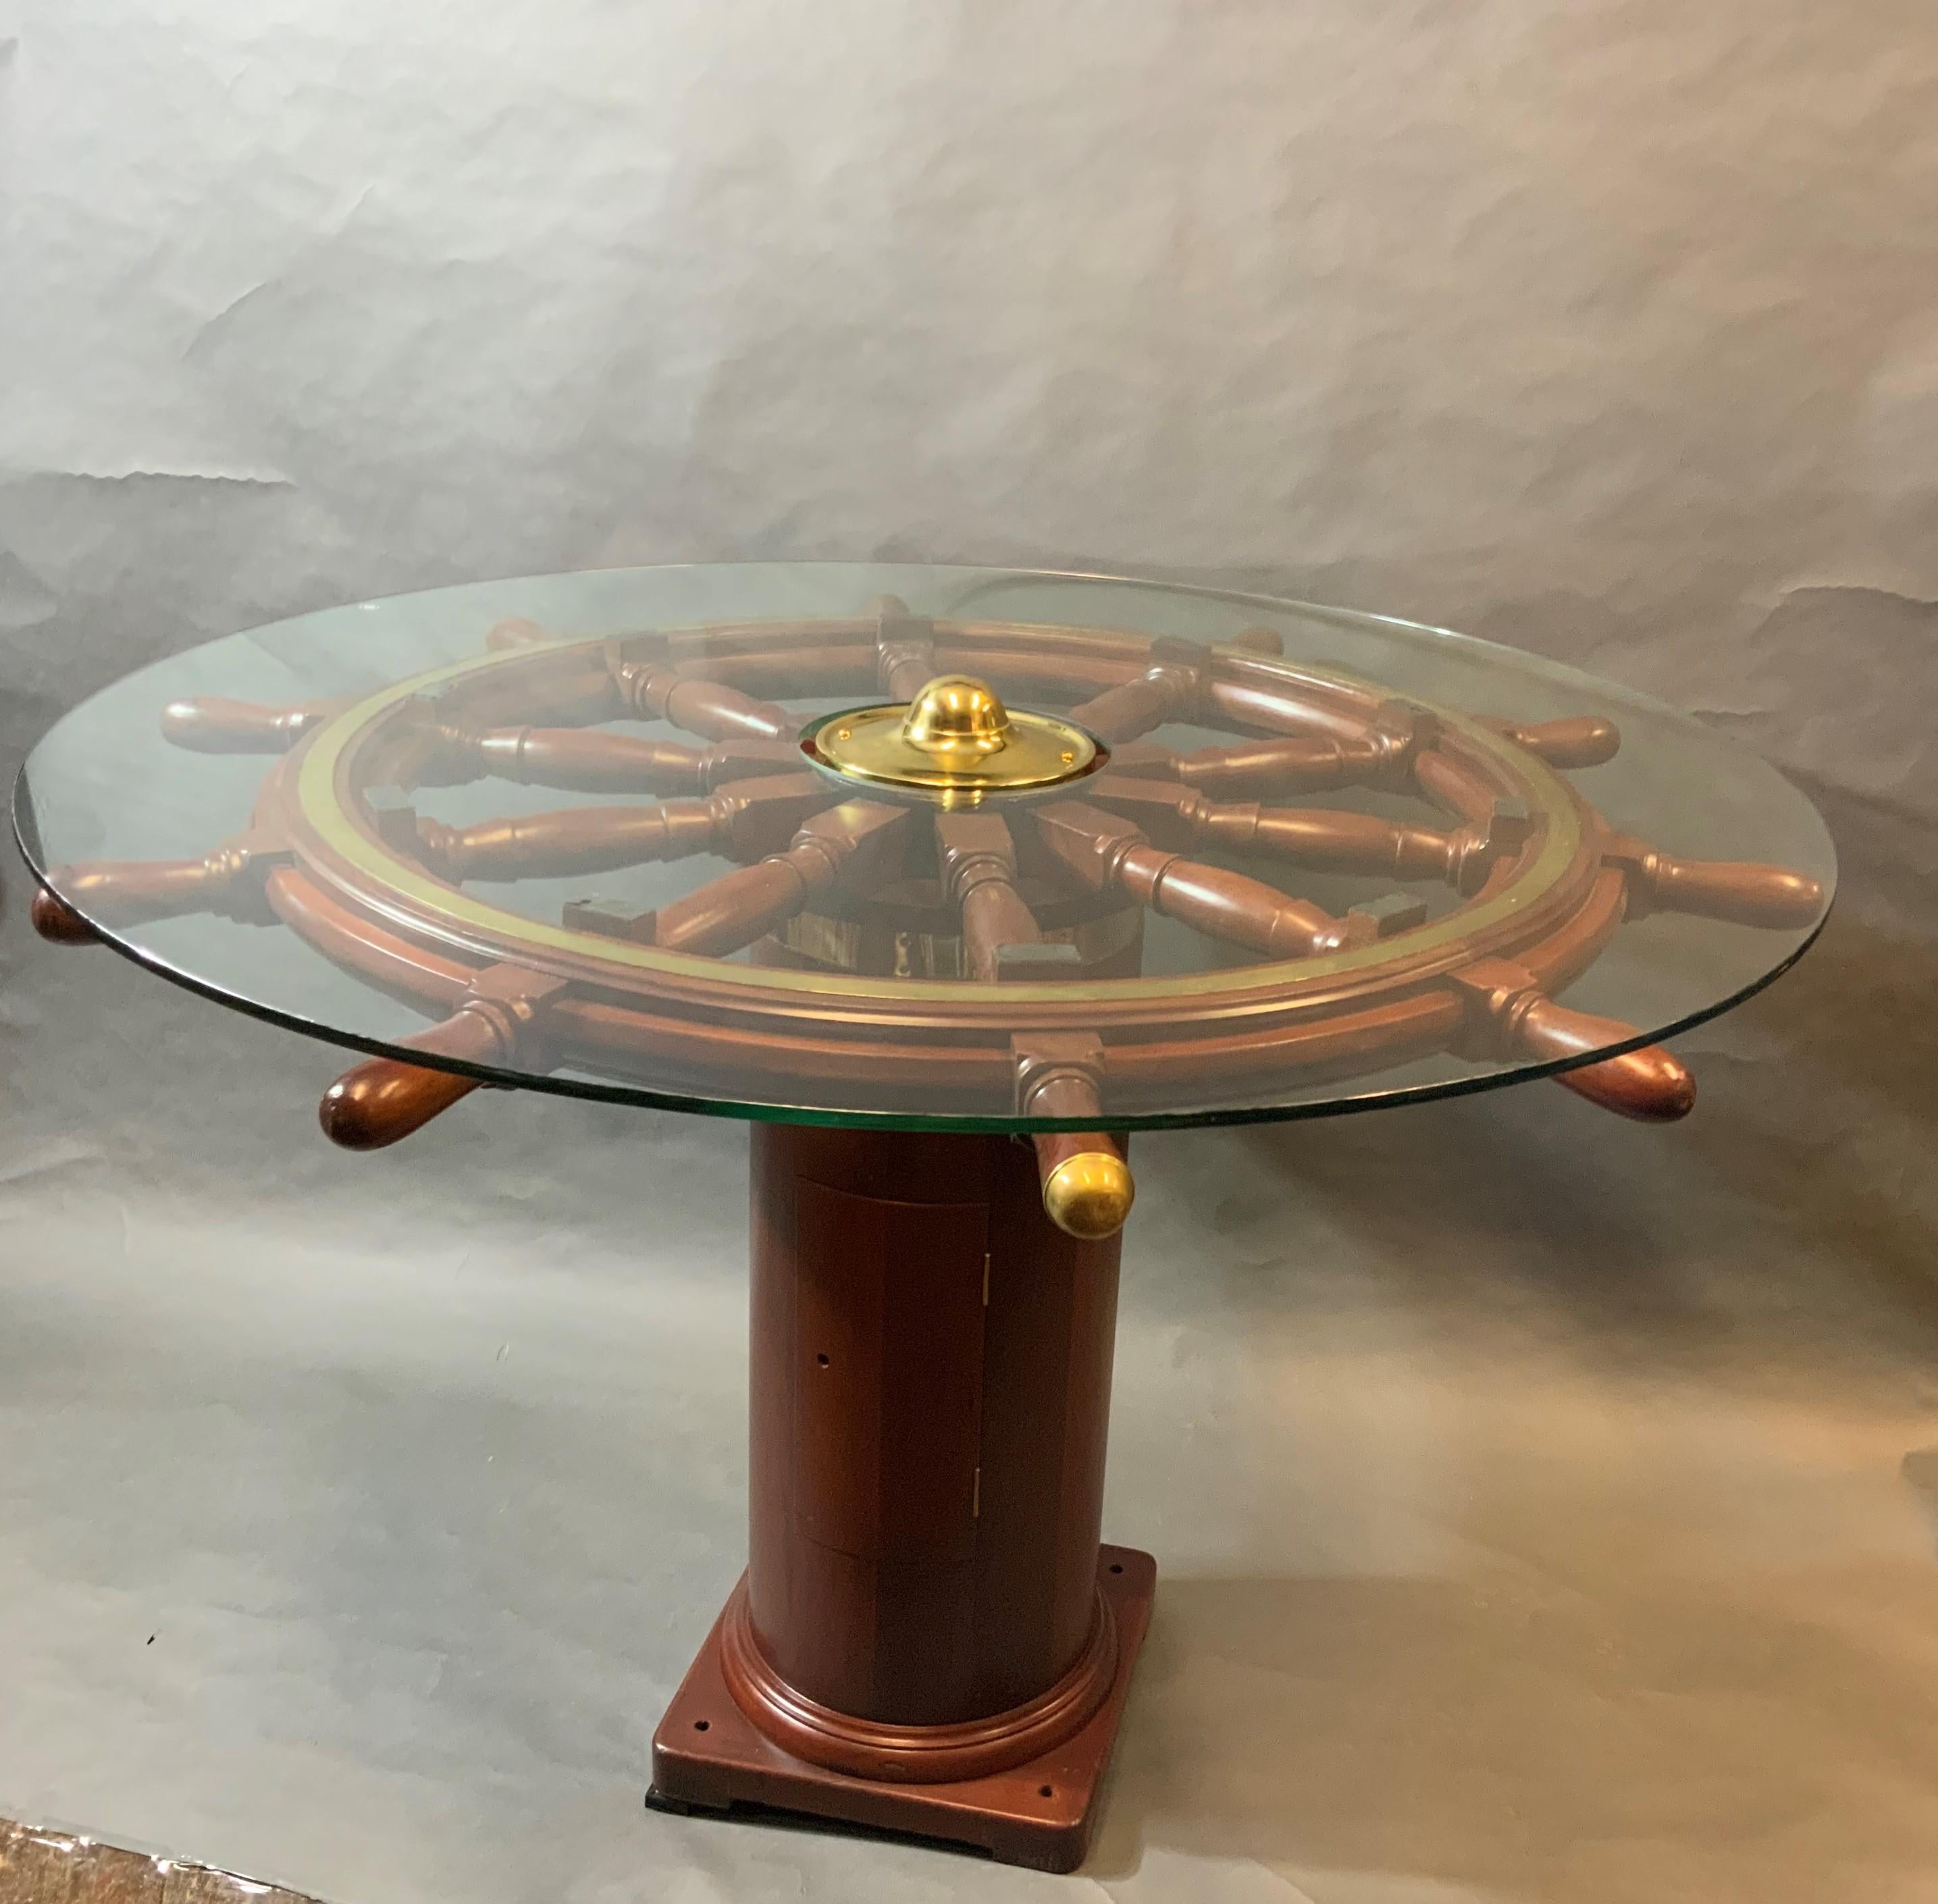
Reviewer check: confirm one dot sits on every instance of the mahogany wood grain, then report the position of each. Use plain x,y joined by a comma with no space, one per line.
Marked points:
905,649
377,1104
136,892
1649,1084
854,844
976,856
1742,892
741,821
383,1101
1176,815
1165,692
711,709
57,922
1314,765
583,760
1260,702
1581,740
1451,786
1104,852
210,724
1513,1016
930,1392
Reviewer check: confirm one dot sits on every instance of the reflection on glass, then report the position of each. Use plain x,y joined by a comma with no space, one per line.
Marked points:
599,832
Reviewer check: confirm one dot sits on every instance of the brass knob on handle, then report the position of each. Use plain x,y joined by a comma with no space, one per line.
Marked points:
1087,1186
1087,1190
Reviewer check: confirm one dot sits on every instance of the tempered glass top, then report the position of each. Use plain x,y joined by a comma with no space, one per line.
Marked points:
1330,859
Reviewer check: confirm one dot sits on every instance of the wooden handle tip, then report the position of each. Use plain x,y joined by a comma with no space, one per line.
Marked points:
57,922
1651,1085
375,1105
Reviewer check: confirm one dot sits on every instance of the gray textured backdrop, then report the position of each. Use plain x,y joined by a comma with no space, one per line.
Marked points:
1552,1530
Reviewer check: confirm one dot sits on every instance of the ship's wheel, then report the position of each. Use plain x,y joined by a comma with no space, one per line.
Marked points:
941,891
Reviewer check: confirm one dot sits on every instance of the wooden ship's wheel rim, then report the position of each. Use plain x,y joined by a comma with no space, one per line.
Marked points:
337,851
317,795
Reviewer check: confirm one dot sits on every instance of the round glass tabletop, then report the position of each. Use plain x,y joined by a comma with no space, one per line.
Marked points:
928,848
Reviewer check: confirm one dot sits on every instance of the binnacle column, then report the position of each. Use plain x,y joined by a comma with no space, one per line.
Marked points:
929,1636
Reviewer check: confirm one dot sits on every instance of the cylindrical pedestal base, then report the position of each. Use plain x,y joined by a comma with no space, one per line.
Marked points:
928,1636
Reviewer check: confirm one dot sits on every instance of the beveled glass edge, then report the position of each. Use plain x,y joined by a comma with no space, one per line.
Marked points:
747,1111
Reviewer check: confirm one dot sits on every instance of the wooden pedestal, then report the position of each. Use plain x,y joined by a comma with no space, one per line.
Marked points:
929,1638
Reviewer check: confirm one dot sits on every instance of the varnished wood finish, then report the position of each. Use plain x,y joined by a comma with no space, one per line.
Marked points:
1086,1183
1307,766
586,761
1176,815
851,844
1107,853
708,708
1583,740
977,854
905,645
57,922
931,1397
210,724
1737,891
134,892
379,1102
1513,1014
742,821
927,1469
708,1756
1166,692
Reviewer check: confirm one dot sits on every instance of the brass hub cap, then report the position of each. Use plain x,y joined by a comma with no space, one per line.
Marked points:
956,743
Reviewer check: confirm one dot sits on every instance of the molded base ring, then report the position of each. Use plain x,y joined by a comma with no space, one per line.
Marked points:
906,1754
708,1754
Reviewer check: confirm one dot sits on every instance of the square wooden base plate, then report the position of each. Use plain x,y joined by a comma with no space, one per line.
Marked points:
707,1755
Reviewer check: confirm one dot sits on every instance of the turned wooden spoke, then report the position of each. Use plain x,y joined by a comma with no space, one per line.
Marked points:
1167,690
855,845
905,649
501,1024
1087,1186
1453,787
210,724
740,822
228,881
709,709
1582,740
1105,853
1510,1016
1741,892
976,855
1322,838
584,760
1264,767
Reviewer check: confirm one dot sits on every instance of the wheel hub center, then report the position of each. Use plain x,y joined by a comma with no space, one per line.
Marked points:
955,744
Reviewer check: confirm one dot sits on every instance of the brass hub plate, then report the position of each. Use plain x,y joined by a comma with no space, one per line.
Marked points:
955,744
